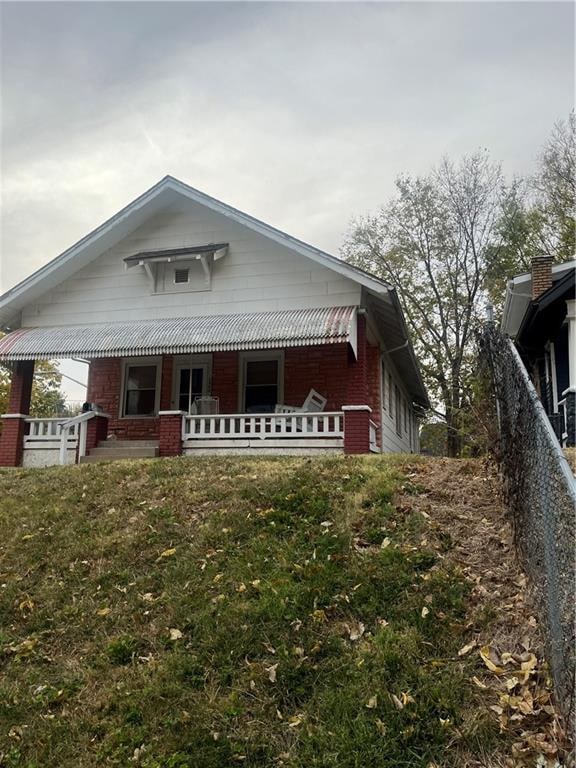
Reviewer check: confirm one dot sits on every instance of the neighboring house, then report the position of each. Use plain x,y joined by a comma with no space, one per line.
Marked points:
207,330
540,315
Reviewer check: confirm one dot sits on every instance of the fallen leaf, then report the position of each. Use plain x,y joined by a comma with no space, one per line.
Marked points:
103,612
295,721
372,702
397,703
168,552
485,653
466,648
175,634
272,672
355,633
424,612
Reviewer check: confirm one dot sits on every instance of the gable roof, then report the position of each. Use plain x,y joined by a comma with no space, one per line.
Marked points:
133,215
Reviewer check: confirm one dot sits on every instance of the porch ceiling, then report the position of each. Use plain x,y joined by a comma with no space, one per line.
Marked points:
186,335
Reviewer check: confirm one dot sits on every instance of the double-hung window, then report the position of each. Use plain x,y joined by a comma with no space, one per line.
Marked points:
141,388
261,382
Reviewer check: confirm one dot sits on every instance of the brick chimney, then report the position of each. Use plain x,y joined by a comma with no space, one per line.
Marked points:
541,275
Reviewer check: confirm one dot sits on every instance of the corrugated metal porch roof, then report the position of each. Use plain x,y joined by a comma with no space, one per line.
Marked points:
184,335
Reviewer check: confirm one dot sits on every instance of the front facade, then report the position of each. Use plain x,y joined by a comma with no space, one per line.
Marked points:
540,315
206,330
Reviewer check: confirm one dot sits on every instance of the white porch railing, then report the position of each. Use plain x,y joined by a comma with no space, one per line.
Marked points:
263,426
46,430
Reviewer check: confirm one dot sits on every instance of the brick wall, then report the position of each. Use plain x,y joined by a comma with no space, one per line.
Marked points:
104,389
330,369
225,380
323,368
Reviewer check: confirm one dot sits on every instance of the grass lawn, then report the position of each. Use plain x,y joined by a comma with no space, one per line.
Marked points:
211,612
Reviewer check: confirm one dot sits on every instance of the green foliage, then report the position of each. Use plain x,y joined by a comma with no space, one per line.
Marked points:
47,399
212,612
538,214
430,243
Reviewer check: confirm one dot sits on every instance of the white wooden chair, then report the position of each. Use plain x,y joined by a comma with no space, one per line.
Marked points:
313,404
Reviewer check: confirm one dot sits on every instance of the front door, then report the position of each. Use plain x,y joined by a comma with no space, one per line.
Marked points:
191,382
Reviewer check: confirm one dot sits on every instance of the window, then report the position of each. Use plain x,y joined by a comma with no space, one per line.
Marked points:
390,396
261,378
405,416
398,411
191,384
383,385
140,388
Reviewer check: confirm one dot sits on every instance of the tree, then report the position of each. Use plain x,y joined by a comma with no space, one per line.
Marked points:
47,399
538,215
430,243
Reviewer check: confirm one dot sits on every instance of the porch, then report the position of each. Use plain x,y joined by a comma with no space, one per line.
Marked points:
51,441
148,404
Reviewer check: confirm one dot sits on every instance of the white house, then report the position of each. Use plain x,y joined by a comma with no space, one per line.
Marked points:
207,330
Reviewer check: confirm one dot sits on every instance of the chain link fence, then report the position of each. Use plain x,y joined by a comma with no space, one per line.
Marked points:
541,495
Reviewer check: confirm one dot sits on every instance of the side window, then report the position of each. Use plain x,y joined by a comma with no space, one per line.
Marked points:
398,412
390,396
383,386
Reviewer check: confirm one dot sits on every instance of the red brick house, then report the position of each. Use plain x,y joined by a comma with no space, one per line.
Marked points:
206,331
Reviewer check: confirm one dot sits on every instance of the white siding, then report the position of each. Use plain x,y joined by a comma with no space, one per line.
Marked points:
392,442
256,275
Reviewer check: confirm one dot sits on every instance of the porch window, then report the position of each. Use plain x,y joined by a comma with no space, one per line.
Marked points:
261,380
140,389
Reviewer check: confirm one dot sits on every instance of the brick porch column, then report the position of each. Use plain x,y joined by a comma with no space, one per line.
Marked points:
357,428
14,422
357,379
170,433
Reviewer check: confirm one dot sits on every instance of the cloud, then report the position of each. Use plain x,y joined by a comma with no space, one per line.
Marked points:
301,114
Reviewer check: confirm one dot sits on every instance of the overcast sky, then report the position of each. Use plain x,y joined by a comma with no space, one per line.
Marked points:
300,114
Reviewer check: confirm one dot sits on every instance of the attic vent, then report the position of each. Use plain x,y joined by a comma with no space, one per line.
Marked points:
181,275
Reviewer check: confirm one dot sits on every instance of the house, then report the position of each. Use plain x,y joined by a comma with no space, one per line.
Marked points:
540,316
207,330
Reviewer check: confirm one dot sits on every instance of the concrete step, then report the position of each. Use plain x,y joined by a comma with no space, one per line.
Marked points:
91,459
128,444
136,452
